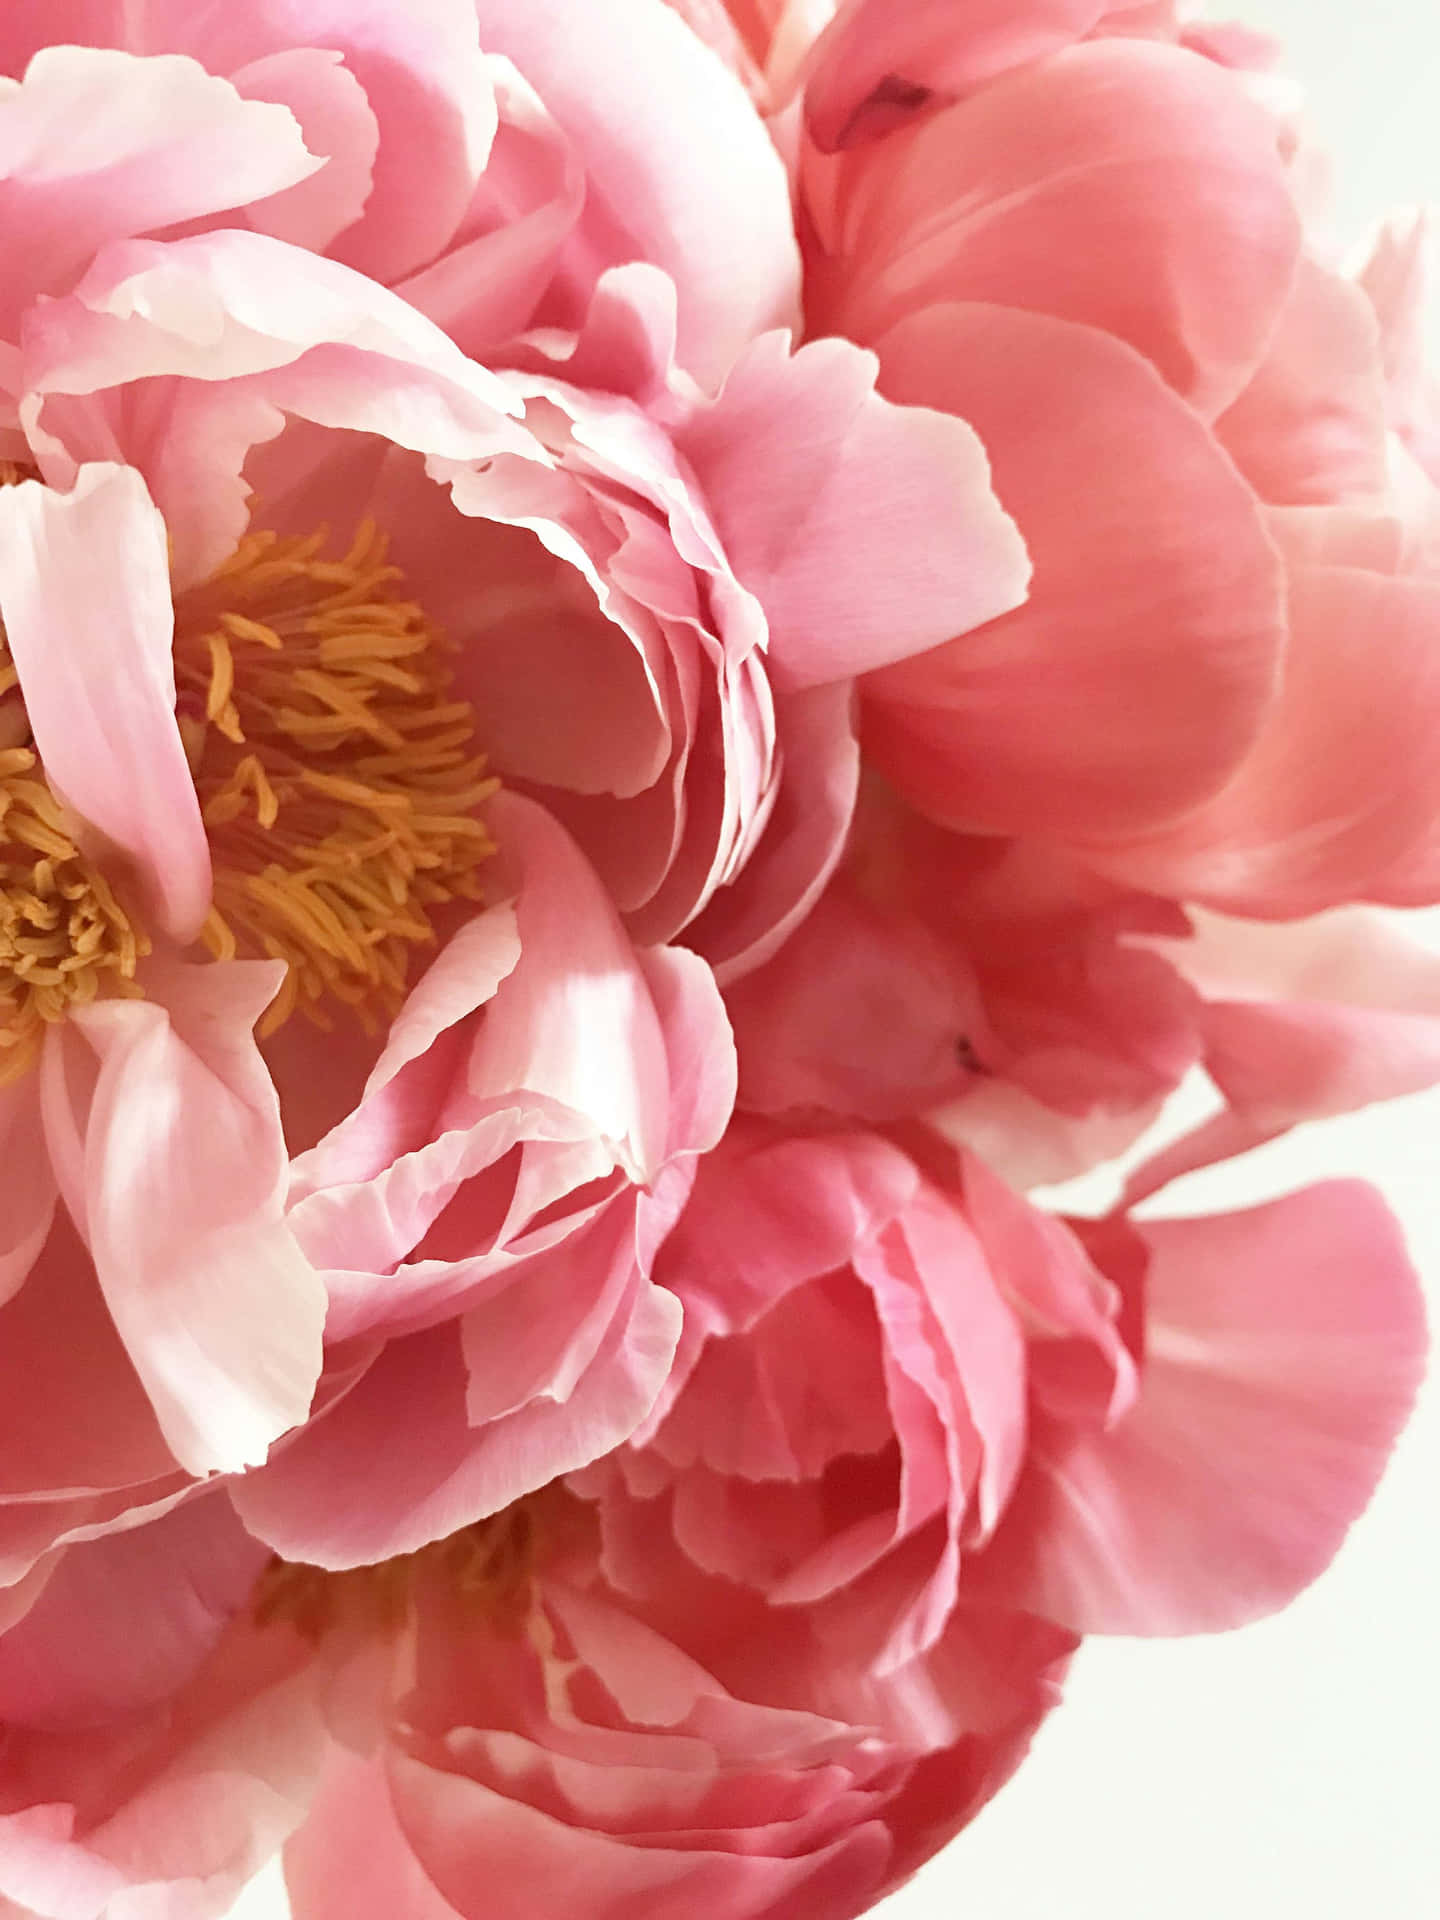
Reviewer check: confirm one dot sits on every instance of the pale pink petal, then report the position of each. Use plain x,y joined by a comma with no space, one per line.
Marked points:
1071,717
422,75
85,596
338,126
448,1473
1339,800
171,1820
425,80
679,169
185,1165
699,1048
751,917
1301,1021
98,146
260,329
820,488
1284,1345
484,288
124,1621
1001,199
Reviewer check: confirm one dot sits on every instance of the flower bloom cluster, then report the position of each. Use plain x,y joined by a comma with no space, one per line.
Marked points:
651,656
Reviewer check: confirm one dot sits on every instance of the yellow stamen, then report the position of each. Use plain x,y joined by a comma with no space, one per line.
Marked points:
488,1567
337,782
64,937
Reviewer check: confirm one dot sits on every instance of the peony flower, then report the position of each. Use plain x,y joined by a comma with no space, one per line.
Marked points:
951,225
779,1645
380,717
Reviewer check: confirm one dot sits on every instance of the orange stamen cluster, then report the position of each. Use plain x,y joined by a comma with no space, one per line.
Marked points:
337,780
337,777
486,1567
64,937
63,934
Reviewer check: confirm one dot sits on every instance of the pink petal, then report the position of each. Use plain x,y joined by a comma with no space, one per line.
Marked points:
896,46
349,1854
448,1473
498,1858
1069,717
751,917
337,124
1300,1022
98,146
1284,1345
319,340
1001,199
859,1012
422,75
484,289
1310,427
425,80
678,167
85,596
820,488
1339,800
185,1165
73,1417
124,1621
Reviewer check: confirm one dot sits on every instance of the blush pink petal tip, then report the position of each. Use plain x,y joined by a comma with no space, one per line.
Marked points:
679,168
97,145
85,597
184,1170
820,487
1283,1349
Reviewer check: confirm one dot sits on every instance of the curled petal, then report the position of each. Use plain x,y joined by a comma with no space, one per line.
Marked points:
1072,716
679,168
1284,1345
1339,799
85,596
184,1168
821,489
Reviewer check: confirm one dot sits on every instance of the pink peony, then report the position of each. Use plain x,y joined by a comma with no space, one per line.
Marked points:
435,789
771,1652
1224,398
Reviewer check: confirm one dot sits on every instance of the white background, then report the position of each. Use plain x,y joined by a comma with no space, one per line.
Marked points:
1291,1769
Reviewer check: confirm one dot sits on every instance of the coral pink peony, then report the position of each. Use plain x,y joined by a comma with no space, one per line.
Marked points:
766,1656
1171,700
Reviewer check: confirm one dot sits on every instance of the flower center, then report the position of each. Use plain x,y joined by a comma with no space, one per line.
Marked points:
487,1566
337,780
